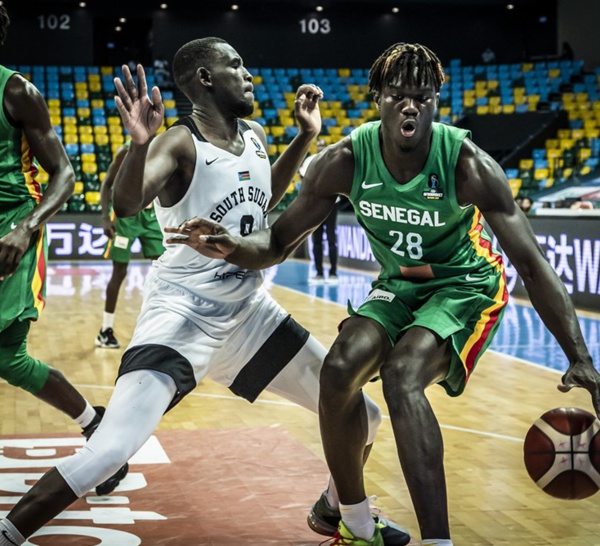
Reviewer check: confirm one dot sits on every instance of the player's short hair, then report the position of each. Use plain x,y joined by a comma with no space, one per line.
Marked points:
413,64
4,22
190,57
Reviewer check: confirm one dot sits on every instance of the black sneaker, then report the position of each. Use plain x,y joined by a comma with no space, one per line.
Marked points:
109,485
106,338
325,520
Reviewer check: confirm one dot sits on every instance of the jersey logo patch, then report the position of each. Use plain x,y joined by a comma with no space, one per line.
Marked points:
211,161
259,150
243,176
365,185
434,191
379,294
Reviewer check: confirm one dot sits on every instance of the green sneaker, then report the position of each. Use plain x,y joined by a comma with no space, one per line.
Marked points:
344,537
325,520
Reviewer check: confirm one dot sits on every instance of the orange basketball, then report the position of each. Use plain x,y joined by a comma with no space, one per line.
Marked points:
562,453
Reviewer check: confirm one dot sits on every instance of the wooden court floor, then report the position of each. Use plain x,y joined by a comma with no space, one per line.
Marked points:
492,500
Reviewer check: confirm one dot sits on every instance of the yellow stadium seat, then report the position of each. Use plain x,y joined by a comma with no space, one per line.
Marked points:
85,130
344,72
118,139
585,153
496,109
70,129
257,80
171,121
554,73
101,139
526,163
277,130
526,67
271,149
89,168
284,112
515,185
70,120
54,110
494,101
81,86
86,139
83,112
92,197
335,131
342,122
56,102
55,120
101,176
97,103
115,129
541,174
114,147
81,95
169,103
566,143
100,129
113,120
563,133
93,77
106,70
287,121
469,102
281,148
78,188
95,87
482,110
88,158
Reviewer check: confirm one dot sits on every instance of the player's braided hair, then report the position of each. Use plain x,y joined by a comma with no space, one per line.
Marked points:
412,64
4,22
192,56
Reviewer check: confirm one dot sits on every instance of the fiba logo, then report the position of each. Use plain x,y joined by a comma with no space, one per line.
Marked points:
434,192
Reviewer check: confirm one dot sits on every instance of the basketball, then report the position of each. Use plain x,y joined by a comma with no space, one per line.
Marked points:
562,453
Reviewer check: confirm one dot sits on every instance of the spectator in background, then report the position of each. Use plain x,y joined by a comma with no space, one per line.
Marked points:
567,52
162,73
525,204
328,227
579,204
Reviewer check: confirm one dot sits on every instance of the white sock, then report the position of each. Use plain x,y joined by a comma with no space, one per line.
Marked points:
9,536
87,416
358,519
108,319
437,542
332,495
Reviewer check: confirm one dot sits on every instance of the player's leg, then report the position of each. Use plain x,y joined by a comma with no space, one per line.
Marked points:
139,400
317,241
353,360
18,368
418,360
330,230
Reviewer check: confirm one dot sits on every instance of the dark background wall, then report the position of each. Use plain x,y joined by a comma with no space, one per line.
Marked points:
347,33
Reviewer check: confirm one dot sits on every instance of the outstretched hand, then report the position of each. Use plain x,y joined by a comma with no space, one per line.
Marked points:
204,236
141,116
306,108
585,377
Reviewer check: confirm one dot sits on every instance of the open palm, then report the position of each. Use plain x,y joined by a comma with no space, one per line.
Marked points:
141,116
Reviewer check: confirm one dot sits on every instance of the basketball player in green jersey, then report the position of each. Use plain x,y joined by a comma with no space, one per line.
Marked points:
419,189
25,133
122,233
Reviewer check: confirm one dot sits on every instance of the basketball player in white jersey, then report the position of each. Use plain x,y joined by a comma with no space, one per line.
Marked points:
199,316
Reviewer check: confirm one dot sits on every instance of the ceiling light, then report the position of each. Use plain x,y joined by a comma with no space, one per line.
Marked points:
82,4
235,7
122,20
395,10
319,8
510,6
118,28
163,6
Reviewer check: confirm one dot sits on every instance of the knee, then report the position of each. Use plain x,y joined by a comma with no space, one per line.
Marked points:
27,373
401,378
339,376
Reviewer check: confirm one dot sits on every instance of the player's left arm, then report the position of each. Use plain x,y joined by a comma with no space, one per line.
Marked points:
481,181
308,117
27,108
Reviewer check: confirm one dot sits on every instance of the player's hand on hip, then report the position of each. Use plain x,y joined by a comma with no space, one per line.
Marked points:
204,236
584,375
141,116
306,108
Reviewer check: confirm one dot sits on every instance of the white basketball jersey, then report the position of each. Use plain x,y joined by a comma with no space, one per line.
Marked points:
235,192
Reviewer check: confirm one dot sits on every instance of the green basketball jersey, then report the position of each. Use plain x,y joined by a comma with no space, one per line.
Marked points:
17,166
418,230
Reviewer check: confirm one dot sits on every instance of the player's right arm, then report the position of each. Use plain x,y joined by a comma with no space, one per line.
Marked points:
150,162
329,175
